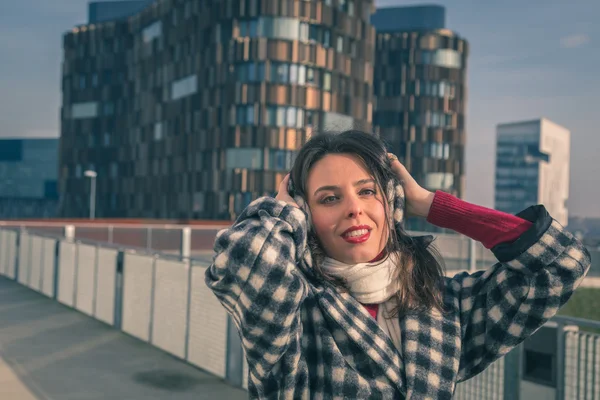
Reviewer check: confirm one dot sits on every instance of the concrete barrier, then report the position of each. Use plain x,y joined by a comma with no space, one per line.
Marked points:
208,327
86,278
170,319
67,252
106,274
138,280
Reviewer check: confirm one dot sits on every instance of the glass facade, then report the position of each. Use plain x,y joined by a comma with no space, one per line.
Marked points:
517,174
193,109
532,167
28,178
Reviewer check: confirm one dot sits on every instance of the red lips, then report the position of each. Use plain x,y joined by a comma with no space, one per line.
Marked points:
354,238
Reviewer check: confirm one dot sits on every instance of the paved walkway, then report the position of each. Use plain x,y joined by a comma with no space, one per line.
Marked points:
48,351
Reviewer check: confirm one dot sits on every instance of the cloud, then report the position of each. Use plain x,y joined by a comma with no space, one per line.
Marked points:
574,41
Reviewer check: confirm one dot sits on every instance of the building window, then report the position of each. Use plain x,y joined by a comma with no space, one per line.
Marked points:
284,28
223,32
244,115
84,110
198,202
152,31
108,108
442,58
249,158
291,117
340,44
435,89
114,170
326,38
310,76
158,131
184,87
440,151
434,119
280,73
281,160
439,180
327,81
250,72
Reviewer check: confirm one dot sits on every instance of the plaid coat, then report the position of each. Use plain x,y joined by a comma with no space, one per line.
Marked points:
303,339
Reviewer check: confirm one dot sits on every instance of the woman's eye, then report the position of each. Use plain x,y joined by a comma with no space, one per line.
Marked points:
328,199
368,192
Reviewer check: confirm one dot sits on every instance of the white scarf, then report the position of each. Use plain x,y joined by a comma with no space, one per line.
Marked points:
369,283
372,283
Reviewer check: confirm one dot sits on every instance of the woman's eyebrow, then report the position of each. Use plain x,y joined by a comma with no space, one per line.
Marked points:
333,187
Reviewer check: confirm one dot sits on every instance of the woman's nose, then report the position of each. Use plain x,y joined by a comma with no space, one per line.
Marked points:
354,207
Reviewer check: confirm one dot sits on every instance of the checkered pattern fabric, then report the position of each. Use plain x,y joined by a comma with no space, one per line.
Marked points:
305,340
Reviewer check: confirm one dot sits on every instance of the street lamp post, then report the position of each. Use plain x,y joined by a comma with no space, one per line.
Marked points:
92,175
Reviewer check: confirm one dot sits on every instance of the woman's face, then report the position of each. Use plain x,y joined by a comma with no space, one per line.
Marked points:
347,209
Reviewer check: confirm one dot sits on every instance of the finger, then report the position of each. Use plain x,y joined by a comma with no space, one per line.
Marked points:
401,171
392,157
283,186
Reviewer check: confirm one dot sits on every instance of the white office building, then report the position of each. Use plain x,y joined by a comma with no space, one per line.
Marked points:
532,167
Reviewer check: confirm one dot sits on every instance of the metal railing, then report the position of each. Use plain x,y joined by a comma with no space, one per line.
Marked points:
196,241
162,299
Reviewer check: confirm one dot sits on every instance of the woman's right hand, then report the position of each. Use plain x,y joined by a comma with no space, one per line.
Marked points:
283,194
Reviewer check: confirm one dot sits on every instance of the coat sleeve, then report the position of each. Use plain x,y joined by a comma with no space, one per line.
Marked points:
255,278
502,306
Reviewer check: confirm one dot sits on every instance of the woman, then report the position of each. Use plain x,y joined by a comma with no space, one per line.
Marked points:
332,299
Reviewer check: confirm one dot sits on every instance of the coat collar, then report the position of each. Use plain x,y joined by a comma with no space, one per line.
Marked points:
351,316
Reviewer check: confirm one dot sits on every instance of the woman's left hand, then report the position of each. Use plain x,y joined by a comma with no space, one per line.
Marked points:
418,199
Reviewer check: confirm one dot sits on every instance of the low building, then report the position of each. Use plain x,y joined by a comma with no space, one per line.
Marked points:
28,176
532,167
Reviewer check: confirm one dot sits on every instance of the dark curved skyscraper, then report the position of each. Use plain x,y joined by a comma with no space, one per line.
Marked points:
420,94
191,109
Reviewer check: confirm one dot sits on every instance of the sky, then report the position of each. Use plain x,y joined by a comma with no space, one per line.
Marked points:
525,62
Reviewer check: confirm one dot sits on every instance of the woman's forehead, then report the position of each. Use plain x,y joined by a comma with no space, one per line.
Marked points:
336,169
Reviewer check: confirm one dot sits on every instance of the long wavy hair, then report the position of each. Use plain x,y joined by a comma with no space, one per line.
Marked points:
421,270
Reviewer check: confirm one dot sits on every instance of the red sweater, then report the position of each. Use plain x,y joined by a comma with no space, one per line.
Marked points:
490,227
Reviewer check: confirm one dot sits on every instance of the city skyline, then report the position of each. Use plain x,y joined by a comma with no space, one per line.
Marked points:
524,64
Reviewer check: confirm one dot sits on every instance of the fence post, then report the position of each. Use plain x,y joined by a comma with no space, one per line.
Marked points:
152,301
42,266
234,364
18,253
186,242
56,268
76,277
149,238
188,310
69,232
560,360
472,255
513,363
118,313
95,295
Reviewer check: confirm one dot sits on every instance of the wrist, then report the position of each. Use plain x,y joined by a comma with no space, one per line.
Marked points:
425,204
